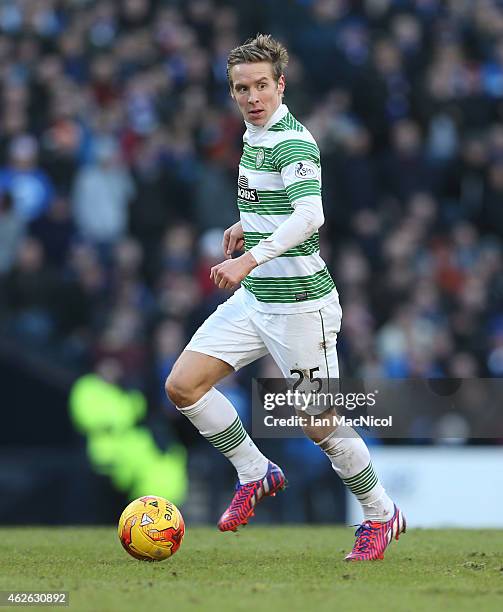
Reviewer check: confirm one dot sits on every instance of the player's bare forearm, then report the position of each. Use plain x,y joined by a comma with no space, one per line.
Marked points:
231,272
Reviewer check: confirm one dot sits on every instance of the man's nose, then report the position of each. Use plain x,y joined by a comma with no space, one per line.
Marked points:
252,96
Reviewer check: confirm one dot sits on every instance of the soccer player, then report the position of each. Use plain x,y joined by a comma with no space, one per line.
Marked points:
287,304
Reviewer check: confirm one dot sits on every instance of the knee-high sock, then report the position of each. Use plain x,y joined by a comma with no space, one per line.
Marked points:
217,420
350,458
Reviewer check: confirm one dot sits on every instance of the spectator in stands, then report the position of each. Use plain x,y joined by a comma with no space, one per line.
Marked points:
31,189
102,193
29,292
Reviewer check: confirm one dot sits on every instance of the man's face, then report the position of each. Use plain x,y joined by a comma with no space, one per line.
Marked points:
256,92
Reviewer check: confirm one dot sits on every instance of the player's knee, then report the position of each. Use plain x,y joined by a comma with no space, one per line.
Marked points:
178,390
322,427
315,434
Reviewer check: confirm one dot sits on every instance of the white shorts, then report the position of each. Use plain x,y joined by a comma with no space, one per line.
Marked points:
305,342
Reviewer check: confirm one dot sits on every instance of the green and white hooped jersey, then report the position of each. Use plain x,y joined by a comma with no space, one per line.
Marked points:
279,166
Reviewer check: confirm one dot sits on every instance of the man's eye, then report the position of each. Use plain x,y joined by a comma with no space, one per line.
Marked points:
261,86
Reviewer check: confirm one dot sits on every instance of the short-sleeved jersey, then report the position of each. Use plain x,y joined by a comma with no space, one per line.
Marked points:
279,166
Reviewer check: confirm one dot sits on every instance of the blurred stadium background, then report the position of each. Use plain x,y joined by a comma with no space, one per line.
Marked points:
119,148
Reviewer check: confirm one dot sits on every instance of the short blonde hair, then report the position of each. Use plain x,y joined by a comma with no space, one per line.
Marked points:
262,48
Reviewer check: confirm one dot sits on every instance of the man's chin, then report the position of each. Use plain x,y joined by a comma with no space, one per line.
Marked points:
258,121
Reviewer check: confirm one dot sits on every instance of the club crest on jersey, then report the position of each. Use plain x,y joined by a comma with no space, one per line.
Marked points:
245,192
306,170
259,160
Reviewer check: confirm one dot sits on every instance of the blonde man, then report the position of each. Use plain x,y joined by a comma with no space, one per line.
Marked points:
287,305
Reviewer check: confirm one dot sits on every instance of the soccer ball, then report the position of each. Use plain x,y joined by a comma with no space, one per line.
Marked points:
151,528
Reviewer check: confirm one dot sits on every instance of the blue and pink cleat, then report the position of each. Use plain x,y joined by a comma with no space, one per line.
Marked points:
248,495
372,538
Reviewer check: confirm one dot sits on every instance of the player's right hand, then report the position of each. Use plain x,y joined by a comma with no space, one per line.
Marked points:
233,239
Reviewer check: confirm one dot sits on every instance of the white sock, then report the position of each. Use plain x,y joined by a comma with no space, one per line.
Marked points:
350,458
217,420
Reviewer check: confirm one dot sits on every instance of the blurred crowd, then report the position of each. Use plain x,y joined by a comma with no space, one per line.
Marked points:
119,148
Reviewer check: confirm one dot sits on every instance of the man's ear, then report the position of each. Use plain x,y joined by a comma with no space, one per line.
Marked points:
281,84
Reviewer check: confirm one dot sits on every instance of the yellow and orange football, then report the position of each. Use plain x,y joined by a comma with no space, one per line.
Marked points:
151,528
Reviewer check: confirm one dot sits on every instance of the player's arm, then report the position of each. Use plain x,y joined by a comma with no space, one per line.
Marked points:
301,225
232,271
301,175
299,165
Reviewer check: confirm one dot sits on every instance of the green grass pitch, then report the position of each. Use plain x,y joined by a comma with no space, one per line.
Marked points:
279,568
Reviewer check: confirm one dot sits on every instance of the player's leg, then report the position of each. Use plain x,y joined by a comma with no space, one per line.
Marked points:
193,375
225,342
305,345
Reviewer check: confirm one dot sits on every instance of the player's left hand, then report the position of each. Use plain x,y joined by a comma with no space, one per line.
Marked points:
231,272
